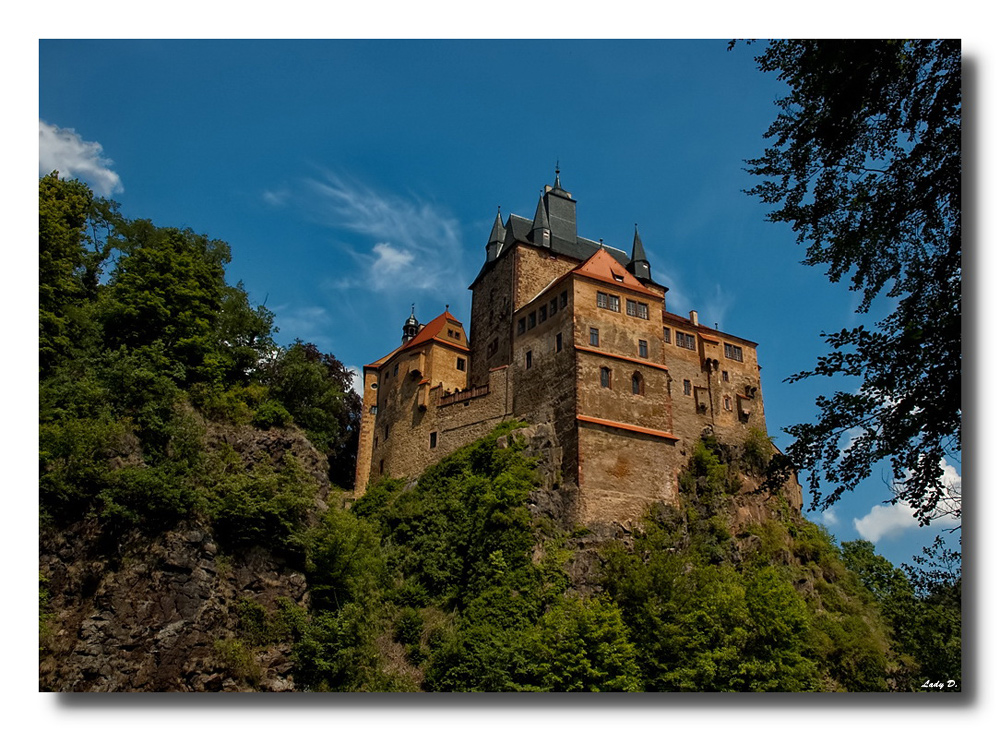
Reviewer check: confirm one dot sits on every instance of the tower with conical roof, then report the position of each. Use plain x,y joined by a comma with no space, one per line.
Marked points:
497,236
638,265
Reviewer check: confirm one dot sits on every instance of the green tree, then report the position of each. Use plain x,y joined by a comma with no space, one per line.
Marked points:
168,288
865,164
316,390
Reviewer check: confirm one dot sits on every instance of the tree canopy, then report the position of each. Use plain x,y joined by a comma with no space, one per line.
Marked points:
865,164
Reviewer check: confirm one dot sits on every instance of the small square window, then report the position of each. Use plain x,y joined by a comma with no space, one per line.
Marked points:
618,277
687,387
563,297
605,378
543,314
553,306
666,334
728,403
595,337
434,439
520,326
531,320
395,370
725,376
643,349
460,364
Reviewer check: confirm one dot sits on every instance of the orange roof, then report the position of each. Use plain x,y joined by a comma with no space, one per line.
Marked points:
428,332
604,268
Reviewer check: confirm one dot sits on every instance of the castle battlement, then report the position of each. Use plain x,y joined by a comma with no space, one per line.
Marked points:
568,332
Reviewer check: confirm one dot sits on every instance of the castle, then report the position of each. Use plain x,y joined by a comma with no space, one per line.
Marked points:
568,332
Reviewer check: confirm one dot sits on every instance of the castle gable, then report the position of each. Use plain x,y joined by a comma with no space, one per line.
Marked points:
604,268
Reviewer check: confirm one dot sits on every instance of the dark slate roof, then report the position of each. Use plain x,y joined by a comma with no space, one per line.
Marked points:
518,230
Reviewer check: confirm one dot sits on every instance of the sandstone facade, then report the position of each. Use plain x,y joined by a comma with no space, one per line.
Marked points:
576,335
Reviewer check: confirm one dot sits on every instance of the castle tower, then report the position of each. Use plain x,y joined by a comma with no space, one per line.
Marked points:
411,327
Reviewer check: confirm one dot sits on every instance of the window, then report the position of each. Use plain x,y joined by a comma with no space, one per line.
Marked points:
609,302
460,364
381,466
491,349
395,370
434,439
376,441
734,352
386,431
637,386
637,309
605,377
553,306
543,314
728,403
595,337
373,410
687,387
558,342
451,333
725,376
527,359
531,320
685,341
618,277
666,334
562,299
643,349
520,326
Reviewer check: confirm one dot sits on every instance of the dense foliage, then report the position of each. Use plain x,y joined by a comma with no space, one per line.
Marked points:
448,583
143,343
865,164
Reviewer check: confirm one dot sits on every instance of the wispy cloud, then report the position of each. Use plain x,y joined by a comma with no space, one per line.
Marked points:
829,517
310,324
401,243
64,150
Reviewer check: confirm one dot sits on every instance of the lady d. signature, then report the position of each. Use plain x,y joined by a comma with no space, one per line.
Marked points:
938,684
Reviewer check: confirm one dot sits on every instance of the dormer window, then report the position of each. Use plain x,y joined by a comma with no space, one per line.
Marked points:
618,277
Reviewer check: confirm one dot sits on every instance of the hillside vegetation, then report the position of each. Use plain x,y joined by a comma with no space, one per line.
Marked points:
196,536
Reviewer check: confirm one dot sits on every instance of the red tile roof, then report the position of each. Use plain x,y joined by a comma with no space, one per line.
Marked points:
431,331
604,268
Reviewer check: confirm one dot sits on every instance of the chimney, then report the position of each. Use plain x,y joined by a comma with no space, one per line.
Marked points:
694,317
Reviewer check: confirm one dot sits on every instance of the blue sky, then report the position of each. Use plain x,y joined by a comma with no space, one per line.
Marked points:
353,178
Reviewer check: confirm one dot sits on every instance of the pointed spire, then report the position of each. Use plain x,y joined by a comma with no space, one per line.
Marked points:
541,232
497,237
557,185
638,266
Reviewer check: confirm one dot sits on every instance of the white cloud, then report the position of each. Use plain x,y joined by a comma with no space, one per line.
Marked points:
829,517
885,521
64,150
390,259
357,380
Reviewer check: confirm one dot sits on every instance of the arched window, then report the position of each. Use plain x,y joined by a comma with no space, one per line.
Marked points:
637,385
605,377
